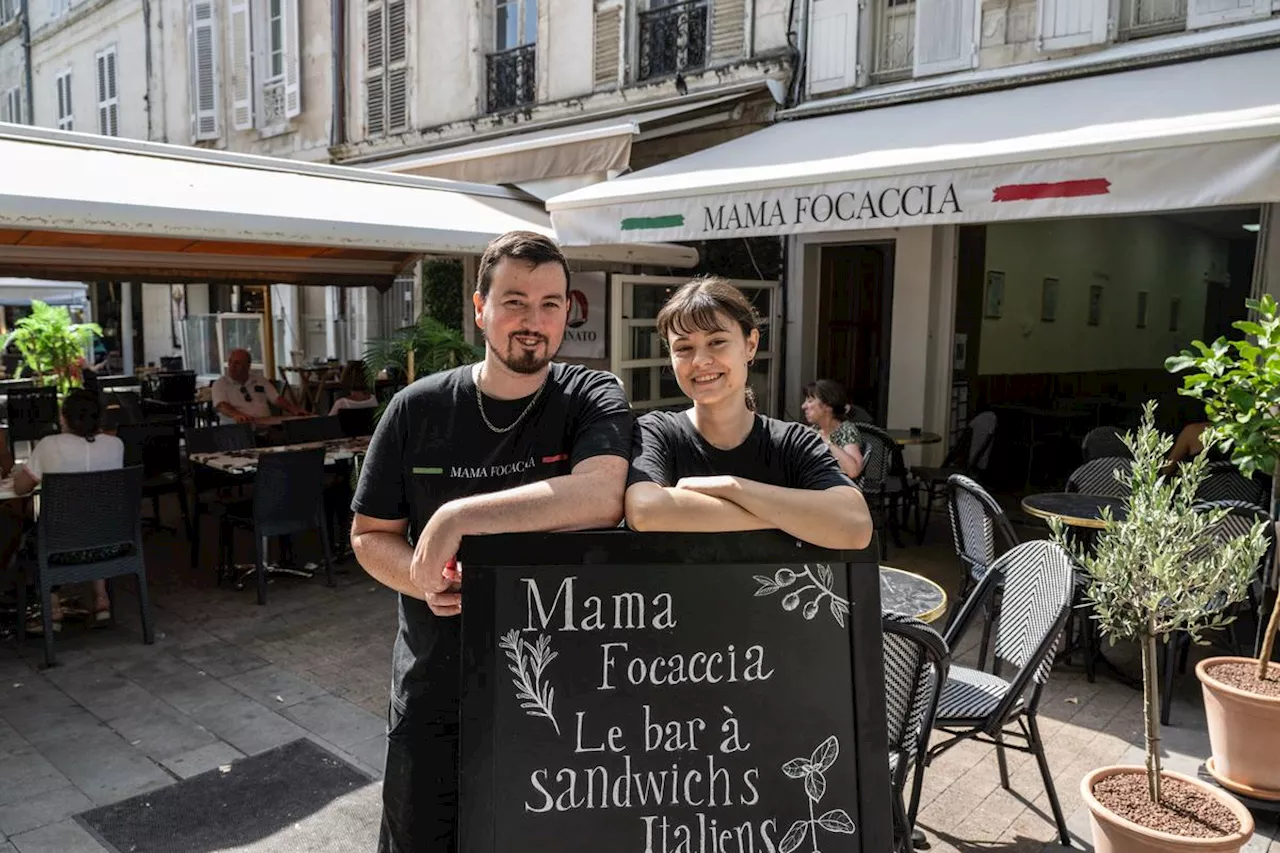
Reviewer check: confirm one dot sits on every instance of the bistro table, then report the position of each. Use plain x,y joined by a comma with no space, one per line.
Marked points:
241,462
906,437
907,594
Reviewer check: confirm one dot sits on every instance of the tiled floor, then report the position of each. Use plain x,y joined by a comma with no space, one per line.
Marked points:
227,678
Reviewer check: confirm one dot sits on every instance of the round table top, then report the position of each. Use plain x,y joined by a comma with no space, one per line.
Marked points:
908,594
1073,509
904,437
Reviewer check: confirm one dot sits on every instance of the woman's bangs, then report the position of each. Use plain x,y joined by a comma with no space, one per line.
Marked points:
699,313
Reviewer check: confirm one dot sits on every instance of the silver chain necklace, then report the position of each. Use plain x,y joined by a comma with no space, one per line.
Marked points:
516,422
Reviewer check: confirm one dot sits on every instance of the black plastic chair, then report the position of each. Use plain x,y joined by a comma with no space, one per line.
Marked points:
157,448
209,482
32,414
916,660
288,498
308,430
80,537
357,422
130,406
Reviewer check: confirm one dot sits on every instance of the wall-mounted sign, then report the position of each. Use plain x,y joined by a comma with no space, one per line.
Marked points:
588,320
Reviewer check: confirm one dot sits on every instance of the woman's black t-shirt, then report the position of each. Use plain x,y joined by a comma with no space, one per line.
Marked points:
666,447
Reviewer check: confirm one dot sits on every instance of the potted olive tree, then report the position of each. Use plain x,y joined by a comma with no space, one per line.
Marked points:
1158,571
1239,383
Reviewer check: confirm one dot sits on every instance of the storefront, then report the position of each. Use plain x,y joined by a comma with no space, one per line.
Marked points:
879,209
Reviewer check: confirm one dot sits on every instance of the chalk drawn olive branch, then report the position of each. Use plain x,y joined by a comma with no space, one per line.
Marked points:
528,663
823,582
813,771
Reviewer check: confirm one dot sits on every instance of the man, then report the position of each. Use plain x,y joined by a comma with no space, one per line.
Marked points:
241,398
515,443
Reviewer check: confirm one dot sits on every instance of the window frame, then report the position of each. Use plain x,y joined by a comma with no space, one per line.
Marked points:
67,116
522,24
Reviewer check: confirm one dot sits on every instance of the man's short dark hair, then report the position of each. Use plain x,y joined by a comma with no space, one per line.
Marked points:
534,249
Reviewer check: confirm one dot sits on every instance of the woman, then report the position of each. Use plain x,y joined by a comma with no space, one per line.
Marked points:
826,407
719,466
78,448
357,390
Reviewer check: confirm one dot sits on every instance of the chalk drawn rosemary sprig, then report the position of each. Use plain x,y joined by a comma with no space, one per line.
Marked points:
528,663
823,582
813,771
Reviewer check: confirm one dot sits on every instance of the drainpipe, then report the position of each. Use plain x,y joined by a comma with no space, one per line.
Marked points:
796,44
146,29
24,9
338,130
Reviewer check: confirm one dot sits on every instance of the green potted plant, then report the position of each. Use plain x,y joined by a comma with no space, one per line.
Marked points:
434,345
1239,383
52,346
1150,575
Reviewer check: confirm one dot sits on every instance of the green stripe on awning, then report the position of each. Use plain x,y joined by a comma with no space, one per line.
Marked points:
641,223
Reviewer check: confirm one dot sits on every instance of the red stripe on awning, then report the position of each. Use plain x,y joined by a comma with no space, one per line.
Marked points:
1061,189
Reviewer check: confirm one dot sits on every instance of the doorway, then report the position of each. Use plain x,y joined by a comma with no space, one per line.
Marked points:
855,299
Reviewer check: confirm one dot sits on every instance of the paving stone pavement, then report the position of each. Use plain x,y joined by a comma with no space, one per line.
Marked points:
227,678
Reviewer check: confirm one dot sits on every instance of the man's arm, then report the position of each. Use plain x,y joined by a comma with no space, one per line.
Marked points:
384,552
232,412
24,482
281,401
653,507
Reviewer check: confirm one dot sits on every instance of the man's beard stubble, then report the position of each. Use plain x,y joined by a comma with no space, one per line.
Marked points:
519,360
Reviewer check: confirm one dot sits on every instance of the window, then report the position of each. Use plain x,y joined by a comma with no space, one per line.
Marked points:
511,69
386,81
108,96
66,117
895,28
202,58
1140,18
11,106
266,71
8,10
673,38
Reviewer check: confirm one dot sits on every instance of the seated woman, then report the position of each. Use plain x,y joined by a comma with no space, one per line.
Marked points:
719,466
826,407
356,389
78,448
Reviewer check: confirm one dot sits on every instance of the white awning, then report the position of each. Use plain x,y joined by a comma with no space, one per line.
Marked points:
20,292
1184,136
586,148
74,206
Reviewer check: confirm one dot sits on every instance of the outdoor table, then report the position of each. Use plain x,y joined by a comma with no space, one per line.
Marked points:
905,438
311,379
908,594
1073,509
741,672
242,462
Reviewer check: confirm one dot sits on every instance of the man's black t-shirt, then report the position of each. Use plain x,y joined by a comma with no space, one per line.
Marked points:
432,446
667,447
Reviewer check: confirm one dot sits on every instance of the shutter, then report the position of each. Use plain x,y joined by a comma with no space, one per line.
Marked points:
397,73
607,62
241,46
375,39
104,121
292,59
62,99
375,119
1208,13
205,118
375,80
397,99
946,36
1072,23
397,32
728,29
833,45
4,108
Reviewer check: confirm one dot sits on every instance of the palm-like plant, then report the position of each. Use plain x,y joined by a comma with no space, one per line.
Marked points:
434,345
52,346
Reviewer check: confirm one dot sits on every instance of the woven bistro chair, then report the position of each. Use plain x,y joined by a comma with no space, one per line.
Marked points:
1224,482
981,532
1104,441
1098,478
883,483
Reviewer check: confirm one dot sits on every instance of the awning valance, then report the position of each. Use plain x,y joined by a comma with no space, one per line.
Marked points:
1182,136
20,291
74,206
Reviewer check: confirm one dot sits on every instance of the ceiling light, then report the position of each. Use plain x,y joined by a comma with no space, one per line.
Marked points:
1254,228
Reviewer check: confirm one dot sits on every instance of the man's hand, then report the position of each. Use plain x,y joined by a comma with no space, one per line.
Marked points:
720,486
432,558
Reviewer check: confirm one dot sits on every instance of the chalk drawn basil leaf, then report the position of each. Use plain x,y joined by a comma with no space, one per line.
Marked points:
825,575
815,785
796,768
794,837
838,612
825,755
837,820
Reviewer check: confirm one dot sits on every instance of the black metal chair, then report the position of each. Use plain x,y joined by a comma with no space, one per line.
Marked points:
1102,442
158,449
916,660
210,485
80,537
1098,478
970,455
977,705
357,422
32,414
288,498
883,483
980,531
129,405
307,430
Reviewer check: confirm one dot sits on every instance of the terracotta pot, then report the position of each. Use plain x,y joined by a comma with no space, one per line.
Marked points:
1244,733
1114,834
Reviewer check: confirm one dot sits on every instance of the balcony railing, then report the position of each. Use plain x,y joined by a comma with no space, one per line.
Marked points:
673,39
512,80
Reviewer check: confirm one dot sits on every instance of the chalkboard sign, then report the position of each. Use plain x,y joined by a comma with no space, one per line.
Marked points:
671,693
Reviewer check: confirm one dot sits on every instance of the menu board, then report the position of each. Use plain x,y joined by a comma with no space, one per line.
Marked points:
648,705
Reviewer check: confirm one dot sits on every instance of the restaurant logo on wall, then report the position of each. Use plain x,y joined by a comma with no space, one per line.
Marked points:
584,336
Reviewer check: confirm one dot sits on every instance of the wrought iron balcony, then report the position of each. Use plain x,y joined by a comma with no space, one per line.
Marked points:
512,78
673,39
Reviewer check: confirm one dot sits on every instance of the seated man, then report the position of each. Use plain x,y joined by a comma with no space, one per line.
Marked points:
243,398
